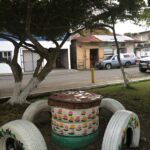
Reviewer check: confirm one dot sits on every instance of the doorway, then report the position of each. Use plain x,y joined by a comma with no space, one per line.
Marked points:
30,60
62,59
93,57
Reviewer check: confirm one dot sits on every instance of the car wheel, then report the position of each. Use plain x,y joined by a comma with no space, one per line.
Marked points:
108,66
142,69
100,68
127,64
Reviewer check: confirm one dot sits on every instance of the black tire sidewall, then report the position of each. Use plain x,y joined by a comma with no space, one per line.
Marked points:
142,69
108,68
127,64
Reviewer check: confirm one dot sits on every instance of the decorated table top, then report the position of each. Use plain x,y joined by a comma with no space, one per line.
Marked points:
74,99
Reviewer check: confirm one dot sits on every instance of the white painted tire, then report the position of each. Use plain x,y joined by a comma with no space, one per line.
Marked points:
116,131
34,109
24,133
111,105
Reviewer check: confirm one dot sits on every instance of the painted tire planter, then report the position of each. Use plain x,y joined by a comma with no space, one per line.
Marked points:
74,113
75,129
74,142
34,109
21,135
111,105
122,129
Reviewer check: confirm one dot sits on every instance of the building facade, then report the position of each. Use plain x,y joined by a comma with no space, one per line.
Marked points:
142,48
87,51
28,60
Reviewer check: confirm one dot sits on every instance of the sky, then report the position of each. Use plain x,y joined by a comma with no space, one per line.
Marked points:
128,27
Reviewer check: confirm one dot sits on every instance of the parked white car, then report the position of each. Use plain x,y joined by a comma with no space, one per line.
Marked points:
109,62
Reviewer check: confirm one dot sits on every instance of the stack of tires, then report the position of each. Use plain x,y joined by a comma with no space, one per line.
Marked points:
74,128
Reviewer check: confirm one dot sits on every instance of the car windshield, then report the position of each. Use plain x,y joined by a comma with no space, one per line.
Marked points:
108,57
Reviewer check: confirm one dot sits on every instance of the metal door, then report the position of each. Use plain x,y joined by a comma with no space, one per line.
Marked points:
29,61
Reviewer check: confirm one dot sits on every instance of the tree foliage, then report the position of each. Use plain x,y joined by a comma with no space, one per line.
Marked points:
120,10
98,31
54,18
49,18
145,16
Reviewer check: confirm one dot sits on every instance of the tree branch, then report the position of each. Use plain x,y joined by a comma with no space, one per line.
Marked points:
16,51
45,70
64,40
11,36
40,48
29,45
28,19
30,49
55,42
77,31
39,63
100,25
17,72
3,36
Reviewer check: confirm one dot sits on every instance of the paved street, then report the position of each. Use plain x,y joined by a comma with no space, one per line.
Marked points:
68,79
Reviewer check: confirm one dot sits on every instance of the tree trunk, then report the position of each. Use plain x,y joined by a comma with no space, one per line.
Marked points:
124,77
16,93
20,96
33,83
119,60
18,76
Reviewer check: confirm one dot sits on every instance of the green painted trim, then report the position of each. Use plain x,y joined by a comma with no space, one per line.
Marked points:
74,142
8,134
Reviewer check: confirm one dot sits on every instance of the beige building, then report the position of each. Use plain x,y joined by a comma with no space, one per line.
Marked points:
86,51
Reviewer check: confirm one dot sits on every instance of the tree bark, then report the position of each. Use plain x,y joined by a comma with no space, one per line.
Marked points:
119,60
17,73
16,93
33,83
20,96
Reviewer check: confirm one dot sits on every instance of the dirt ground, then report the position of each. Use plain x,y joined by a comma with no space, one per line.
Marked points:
8,113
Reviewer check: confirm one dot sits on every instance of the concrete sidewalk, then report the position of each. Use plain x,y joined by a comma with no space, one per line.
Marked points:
44,91
88,86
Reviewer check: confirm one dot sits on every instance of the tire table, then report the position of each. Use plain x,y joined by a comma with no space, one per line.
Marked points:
75,118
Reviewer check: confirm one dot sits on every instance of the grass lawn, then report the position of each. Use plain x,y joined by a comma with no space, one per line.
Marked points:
136,99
